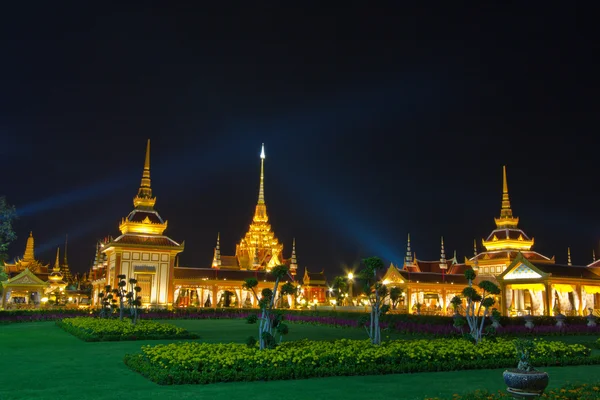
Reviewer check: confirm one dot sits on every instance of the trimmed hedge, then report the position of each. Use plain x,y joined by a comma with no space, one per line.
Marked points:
192,362
110,330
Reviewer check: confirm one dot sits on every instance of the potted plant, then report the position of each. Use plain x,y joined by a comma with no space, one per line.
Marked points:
525,381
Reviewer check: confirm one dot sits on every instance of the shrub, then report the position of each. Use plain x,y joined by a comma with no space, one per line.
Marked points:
100,330
193,362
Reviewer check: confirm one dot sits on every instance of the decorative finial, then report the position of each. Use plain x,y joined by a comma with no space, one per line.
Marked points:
217,257
409,259
65,262
569,256
261,190
476,259
593,256
443,263
144,197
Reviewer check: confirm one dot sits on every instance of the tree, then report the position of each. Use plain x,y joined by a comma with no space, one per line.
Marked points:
476,301
134,300
121,292
376,293
268,321
8,214
395,296
340,283
107,302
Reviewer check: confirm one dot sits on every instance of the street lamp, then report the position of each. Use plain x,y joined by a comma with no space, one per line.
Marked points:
350,278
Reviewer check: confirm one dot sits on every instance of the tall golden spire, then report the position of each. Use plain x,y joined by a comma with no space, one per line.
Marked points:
217,257
144,197
506,219
261,190
57,262
65,262
443,262
29,254
294,261
593,256
260,214
408,260
569,256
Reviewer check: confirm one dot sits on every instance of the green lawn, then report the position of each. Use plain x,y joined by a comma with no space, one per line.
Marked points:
40,361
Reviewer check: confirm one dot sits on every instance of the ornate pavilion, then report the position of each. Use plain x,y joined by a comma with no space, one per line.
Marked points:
32,283
144,252
530,283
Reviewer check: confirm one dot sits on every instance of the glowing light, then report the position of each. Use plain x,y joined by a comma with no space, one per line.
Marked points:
44,299
386,282
350,275
262,152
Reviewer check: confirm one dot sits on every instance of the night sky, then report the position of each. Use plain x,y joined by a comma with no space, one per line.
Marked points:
377,122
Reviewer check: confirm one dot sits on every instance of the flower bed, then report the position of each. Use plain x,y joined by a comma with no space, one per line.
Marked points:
192,362
581,391
101,330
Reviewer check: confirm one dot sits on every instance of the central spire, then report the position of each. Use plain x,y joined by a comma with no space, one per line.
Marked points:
260,214
29,249
144,197
506,219
261,190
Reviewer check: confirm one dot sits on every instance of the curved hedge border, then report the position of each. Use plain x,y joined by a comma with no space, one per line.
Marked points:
103,330
193,363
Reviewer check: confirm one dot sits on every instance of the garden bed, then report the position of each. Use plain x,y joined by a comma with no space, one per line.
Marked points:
103,330
581,391
192,362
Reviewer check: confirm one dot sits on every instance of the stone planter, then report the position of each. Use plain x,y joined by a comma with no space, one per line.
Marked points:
560,320
458,321
522,384
529,321
591,320
495,323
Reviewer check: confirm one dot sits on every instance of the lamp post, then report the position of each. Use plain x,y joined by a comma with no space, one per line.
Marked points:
350,278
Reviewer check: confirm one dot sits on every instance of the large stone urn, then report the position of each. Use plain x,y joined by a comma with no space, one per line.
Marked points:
525,384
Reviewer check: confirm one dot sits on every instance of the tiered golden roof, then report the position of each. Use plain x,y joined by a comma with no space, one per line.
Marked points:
259,249
507,236
28,260
144,219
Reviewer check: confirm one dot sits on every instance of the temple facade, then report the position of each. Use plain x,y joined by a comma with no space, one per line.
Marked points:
32,283
142,251
531,283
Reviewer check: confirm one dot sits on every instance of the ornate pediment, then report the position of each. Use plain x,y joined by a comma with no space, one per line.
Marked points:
25,278
521,268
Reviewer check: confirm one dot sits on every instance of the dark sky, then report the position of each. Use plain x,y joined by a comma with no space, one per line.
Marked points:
377,122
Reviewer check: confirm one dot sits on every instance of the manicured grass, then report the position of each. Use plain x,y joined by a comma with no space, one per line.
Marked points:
40,361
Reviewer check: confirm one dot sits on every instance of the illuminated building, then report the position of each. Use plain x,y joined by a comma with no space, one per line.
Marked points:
256,254
141,251
31,281
530,283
